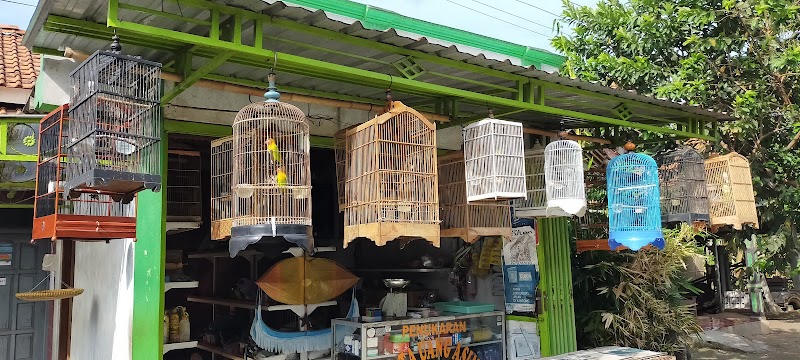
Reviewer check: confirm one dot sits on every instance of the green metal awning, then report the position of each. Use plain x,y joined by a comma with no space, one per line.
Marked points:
335,57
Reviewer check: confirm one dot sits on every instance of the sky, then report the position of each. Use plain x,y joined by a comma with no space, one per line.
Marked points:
525,22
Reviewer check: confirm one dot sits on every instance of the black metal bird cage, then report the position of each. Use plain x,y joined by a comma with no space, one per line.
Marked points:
115,127
684,196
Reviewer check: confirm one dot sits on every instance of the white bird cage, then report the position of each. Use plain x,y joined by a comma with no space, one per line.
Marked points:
468,221
564,177
494,160
184,196
535,205
271,174
390,188
730,191
221,184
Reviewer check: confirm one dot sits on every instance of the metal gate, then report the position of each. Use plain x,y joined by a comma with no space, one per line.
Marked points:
22,324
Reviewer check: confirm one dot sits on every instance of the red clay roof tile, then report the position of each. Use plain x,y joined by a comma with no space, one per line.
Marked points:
19,67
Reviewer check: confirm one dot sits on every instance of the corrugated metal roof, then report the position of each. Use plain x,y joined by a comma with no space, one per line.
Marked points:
290,41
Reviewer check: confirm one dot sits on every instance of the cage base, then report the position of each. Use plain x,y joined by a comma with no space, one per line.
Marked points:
115,182
221,229
688,218
531,213
242,236
471,235
736,222
383,232
83,227
635,240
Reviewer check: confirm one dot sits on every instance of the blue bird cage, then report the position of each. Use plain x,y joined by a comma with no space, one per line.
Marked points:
634,209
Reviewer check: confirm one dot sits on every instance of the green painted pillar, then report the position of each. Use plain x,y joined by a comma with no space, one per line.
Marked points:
148,268
754,283
555,263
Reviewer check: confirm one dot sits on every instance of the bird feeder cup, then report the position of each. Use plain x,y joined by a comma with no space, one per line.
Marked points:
684,198
115,126
221,185
390,186
634,202
494,160
730,191
86,217
271,174
462,219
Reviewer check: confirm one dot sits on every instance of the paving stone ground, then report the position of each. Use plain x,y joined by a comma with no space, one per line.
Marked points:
783,343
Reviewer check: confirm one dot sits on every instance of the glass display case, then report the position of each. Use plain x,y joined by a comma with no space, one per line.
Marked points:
477,336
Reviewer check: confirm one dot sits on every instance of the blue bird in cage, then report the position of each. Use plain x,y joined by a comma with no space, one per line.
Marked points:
634,202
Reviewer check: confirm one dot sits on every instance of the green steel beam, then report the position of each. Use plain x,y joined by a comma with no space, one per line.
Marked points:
166,15
25,185
196,75
16,206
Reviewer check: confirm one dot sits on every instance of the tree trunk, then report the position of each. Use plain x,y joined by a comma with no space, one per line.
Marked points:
794,254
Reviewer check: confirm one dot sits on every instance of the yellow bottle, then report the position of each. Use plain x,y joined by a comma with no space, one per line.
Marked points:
174,326
184,325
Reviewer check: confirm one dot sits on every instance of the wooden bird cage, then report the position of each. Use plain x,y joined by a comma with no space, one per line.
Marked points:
340,154
634,203
683,187
221,184
391,187
730,191
86,217
462,219
494,160
184,196
115,126
271,174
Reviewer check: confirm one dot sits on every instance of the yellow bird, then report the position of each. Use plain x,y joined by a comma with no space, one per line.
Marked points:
281,178
272,147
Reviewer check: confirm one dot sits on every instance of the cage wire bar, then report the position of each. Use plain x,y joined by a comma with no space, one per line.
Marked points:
494,160
85,217
462,219
184,196
115,125
634,202
391,185
221,185
683,187
730,191
271,174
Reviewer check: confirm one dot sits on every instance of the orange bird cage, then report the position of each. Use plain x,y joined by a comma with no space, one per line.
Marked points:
391,184
730,191
468,220
87,217
221,183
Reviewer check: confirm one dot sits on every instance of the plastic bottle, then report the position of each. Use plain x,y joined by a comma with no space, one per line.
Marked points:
184,325
174,326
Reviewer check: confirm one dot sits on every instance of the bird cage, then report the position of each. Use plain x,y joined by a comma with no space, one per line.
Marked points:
468,221
591,229
115,126
221,184
633,202
535,203
271,174
340,154
494,160
683,187
184,197
391,185
564,177
86,217
730,191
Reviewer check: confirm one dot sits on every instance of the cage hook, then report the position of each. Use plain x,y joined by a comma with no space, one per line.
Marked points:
561,129
491,113
274,61
116,47
389,100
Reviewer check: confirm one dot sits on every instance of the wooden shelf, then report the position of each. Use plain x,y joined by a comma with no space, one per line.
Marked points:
174,227
180,346
218,351
242,304
223,254
180,285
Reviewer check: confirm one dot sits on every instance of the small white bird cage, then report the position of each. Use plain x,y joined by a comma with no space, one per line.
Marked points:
564,177
184,196
391,185
221,184
468,221
271,174
730,191
494,160
683,187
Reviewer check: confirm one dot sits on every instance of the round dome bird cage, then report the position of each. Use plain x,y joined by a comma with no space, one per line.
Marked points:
494,160
221,185
462,219
683,187
564,177
730,191
391,183
271,174
633,202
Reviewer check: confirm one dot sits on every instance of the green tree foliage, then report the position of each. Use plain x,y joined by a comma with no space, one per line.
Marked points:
741,57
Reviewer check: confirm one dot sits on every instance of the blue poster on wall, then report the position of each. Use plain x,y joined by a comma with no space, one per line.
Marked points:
520,270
